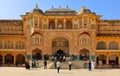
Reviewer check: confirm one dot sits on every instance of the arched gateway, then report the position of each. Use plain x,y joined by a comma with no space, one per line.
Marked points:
37,54
84,54
60,45
9,59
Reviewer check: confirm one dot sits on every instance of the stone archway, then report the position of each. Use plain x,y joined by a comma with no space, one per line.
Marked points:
37,54
84,54
101,59
20,59
60,43
9,59
113,59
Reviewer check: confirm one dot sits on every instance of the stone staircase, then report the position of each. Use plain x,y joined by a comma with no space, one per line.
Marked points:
64,65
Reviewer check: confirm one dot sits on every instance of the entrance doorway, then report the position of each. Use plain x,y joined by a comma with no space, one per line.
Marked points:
101,60
84,54
113,59
60,45
9,59
37,54
20,59
60,52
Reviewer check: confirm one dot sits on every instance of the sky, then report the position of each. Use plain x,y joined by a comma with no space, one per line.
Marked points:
12,9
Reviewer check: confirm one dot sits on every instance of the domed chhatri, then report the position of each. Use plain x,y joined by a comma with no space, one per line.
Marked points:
60,11
84,10
36,10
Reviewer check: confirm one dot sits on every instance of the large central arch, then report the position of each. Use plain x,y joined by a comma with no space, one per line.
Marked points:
60,45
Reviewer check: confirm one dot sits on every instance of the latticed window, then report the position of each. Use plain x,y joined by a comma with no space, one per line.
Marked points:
36,39
20,45
84,39
68,25
8,45
85,22
113,45
51,25
101,45
36,23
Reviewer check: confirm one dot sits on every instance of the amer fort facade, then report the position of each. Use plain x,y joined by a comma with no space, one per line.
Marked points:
60,30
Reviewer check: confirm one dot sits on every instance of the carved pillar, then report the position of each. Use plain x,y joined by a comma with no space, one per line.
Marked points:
64,24
38,23
107,45
3,59
119,59
73,23
55,23
47,23
107,60
14,59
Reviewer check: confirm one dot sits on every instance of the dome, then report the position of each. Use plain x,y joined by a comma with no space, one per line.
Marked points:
36,10
84,10
60,11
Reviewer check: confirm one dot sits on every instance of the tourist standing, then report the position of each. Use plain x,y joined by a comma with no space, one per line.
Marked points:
70,64
55,63
27,66
37,64
45,64
92,65
58,66
89,65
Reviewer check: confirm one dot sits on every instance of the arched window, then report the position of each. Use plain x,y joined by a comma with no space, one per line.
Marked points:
36,20
9,45
101,45
113,45
51,25
60,25
85,22
20,45
84,39
68,25
37,39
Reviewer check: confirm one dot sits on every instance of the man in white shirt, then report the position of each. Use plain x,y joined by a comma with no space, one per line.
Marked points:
92,65
70,64
58,66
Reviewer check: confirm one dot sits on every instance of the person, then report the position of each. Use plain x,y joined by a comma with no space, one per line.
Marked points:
0,63
33,64
64,58
70,64
55,63
89,65
58,66
92,65
27,66
45,64
112,64
37,64
52,57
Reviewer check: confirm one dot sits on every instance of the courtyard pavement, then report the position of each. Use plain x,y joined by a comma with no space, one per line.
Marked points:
21,71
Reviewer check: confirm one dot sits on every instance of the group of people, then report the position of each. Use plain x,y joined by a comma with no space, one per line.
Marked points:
34,64
61,57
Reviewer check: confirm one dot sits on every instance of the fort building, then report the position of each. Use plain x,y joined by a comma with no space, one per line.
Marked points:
82,34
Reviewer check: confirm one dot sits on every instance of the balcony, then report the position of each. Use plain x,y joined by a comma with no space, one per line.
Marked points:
107,50
1,50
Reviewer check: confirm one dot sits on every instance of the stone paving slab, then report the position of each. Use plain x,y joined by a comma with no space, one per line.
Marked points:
19,71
